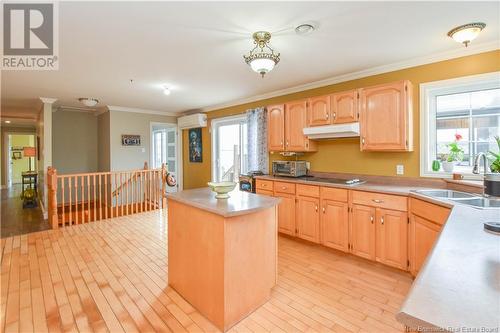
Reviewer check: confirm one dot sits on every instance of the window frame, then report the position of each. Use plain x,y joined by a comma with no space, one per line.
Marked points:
428,93
214,124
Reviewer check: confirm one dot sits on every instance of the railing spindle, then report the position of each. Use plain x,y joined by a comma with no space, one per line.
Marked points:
82,196
63,202
70,185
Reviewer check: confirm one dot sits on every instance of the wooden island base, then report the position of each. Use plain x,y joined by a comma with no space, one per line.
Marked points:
225,266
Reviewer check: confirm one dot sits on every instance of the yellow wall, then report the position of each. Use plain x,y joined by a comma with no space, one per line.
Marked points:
343,155
21,165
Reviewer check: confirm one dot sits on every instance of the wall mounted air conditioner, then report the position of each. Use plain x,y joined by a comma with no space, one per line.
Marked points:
192,121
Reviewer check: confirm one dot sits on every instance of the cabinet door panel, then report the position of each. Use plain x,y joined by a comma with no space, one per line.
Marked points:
363,231
286,214
385,117
295,121
276,127
344,107
318,111
392,238
308,218
334,225
424,235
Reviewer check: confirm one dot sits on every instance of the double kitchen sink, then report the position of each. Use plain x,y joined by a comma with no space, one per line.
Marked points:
469,199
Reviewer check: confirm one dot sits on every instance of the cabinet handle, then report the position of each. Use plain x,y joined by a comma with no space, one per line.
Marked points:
316,208
378,201
327,115
324,210
363,140
281,143
381,220
283,187
287,142
334,115
264,185
371,219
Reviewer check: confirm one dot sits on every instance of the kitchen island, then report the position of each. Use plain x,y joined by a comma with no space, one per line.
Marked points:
222,254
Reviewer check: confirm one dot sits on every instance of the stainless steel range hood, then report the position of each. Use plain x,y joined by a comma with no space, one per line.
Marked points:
332,131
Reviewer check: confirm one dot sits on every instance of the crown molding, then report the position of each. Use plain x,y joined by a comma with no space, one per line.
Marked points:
48,100
138,110
441,56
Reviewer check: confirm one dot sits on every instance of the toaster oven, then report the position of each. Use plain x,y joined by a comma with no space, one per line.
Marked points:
289,168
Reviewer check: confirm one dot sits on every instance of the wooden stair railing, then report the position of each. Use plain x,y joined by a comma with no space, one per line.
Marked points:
86,197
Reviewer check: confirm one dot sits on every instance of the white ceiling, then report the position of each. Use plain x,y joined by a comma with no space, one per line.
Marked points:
197,48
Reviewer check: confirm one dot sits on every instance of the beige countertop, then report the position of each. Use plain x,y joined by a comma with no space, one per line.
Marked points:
239,203
369,186
458,287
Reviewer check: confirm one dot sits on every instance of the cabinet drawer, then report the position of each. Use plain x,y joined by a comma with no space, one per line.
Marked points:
261,184
429,211
264,192
386,201
283,187
336,194
308,190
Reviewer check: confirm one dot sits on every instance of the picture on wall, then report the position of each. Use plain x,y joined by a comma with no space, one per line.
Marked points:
131,140
195,147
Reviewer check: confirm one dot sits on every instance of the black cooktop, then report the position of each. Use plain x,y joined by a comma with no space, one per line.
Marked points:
339,181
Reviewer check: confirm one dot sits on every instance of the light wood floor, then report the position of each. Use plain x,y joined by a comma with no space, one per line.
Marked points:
112,276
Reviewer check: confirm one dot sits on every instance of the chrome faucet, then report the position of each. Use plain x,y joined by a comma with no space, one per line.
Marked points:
477,162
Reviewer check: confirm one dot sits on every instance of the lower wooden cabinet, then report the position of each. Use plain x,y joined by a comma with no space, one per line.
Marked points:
362,231
265,192
426,222
392,238
308,218
286,214
334,222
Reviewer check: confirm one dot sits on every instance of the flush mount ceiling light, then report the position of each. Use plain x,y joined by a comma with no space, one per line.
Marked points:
166,91
90,102
466,33
262,57
304,29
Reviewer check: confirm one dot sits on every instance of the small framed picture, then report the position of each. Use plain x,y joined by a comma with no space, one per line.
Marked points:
131,140
195,146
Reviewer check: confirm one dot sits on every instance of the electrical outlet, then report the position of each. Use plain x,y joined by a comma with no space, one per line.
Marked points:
143,150
400,169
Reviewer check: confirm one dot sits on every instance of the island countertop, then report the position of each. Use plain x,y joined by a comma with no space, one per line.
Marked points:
239,202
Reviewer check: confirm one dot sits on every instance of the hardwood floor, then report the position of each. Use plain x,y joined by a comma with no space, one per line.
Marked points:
112,276
14,219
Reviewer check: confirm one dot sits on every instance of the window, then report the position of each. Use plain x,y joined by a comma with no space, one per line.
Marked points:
229,149
164,148
469,107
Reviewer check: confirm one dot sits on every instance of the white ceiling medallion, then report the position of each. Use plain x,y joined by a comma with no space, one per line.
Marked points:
262,57
466,33
90,102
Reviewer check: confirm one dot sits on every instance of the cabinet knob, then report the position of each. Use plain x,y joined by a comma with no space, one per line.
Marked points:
363,140
327,115
334,115
371,219
283,187
324,210
381,220
316,208
287,142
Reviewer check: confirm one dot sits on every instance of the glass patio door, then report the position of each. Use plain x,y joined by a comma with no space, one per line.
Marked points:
165,150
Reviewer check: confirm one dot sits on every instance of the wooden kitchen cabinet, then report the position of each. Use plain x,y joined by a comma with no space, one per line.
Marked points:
295,121
318,111
344,107
362,231
308,218
386,121
276,127
334,222
392,238
426,222
286,213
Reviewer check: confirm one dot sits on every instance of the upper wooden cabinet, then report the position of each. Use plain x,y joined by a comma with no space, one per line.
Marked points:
344,107
318,111
276,127
285,127
386,117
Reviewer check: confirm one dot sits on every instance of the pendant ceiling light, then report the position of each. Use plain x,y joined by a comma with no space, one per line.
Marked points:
262,57
466,33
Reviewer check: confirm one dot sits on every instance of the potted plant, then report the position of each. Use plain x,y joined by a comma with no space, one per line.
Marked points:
494,158
456,154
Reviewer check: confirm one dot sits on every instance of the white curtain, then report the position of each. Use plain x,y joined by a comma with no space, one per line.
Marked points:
258,156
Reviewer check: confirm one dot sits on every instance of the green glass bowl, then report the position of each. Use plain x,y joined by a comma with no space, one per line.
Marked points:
221,188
